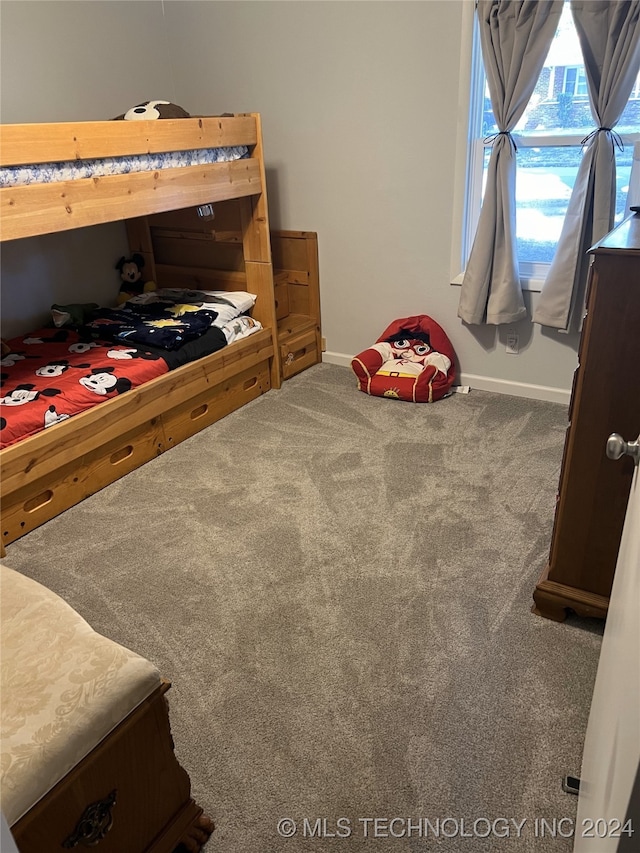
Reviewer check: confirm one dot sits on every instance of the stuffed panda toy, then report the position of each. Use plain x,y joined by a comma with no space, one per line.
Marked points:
153,110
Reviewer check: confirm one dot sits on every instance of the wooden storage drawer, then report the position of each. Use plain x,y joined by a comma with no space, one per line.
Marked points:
298,353
43,498
211,405
136,782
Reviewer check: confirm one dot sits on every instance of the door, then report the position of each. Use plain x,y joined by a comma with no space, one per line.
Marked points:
609,790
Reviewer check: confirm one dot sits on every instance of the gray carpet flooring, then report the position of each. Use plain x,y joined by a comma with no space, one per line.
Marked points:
339,588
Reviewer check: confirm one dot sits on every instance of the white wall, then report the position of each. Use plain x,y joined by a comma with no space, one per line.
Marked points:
73,61
81,61
362,132
360,112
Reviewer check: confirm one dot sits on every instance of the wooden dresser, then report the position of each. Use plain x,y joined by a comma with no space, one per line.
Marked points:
593,489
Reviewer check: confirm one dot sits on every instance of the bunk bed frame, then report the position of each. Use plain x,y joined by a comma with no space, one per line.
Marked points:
47,473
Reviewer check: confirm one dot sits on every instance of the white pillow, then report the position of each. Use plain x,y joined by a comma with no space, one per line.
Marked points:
240,327
227,304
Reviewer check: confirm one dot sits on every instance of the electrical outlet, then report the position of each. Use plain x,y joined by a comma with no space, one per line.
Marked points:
512,342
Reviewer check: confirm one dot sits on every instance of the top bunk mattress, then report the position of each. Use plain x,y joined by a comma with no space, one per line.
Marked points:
71,170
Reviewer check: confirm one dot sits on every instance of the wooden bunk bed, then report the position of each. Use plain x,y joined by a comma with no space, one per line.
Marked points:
47,473
52,470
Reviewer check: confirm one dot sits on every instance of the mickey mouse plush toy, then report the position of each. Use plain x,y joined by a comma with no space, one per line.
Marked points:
131,275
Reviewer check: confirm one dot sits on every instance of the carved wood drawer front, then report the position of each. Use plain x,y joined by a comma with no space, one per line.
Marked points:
299,353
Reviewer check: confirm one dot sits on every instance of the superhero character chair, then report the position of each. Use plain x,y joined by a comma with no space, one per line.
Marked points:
412,360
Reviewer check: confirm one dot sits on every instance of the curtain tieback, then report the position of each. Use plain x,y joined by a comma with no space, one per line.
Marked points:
614,138
489,140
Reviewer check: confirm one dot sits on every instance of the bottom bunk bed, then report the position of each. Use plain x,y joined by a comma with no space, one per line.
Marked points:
146,404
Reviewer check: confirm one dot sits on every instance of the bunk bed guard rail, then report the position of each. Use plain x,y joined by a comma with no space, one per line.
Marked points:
60,205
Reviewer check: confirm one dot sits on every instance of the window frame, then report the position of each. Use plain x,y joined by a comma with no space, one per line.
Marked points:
471,150
579,82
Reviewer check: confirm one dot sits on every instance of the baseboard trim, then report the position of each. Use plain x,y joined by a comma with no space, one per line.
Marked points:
484,383
516,389
337,358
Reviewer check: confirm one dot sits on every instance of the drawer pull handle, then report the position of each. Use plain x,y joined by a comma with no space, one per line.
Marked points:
292,356
199,412
121,455
95,822
38,501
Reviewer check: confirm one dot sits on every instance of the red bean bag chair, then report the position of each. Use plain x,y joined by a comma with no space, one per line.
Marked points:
412,360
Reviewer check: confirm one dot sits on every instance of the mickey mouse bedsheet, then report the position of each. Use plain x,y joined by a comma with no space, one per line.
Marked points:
53,374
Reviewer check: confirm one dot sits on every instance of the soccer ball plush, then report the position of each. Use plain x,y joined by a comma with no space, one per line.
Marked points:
153,110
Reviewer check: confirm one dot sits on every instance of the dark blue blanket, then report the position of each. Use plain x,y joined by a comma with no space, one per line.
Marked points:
160,324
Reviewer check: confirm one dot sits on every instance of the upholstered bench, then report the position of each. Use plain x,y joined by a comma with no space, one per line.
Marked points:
86,754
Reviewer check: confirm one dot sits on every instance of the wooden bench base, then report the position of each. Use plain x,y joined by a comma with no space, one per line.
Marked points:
129,794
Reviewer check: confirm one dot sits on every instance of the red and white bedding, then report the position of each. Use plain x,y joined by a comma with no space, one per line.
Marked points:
52,374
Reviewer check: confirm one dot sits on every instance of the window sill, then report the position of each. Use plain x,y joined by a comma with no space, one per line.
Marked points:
531,285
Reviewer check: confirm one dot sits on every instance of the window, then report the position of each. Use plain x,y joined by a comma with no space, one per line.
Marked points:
549,139
574,81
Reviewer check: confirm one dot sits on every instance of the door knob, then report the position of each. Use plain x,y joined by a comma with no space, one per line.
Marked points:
617,447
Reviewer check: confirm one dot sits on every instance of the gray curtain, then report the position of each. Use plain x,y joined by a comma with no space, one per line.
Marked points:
609,32
515,36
